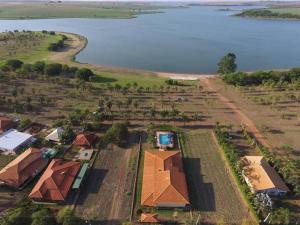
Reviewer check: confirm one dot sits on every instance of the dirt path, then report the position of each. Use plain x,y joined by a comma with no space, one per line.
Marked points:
245,120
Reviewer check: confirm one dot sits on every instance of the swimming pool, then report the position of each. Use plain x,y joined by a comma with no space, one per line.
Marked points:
166,139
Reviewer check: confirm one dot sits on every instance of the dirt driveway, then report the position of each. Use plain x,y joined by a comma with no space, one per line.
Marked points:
245,120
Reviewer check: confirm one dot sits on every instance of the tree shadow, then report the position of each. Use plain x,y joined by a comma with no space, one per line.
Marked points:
92,184
100,79
201,194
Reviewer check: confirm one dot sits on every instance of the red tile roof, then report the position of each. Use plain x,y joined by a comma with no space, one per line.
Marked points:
5,123
55,183
85,140
164,179
149,218
22,168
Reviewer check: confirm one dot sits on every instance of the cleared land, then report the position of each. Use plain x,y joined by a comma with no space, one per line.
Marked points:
210,184
39,10
26,46
106,198
294,10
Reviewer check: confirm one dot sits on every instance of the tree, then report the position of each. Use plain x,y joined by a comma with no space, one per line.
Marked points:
43,217
227,64
17,216
84,74
14,64
116,134
67,135
280,216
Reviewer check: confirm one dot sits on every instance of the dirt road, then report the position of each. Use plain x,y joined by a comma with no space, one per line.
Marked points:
245,120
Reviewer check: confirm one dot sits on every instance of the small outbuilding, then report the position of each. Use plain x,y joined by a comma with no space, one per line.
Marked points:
55,136
86,140
261,177
12,140
149,218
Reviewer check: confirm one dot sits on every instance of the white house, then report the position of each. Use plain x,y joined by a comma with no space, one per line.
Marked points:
261,177
12,140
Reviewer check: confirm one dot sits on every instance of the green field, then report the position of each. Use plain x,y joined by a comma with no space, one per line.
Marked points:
295,11
26,46
72,10
209,181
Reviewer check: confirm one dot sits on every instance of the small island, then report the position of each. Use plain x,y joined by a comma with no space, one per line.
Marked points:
272,13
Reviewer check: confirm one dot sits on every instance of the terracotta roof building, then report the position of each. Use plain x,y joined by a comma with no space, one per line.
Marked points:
5,123
85,140
149,218
56,182
164,183
23,168
261,177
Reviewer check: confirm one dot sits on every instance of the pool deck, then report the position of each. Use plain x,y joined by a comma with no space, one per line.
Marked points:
163,146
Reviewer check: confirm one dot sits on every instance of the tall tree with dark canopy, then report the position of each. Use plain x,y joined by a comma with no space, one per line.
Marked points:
227,64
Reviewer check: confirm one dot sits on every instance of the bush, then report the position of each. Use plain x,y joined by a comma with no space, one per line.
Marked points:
117,134
38,66
56,46
14,64
84,74
53,69
43,217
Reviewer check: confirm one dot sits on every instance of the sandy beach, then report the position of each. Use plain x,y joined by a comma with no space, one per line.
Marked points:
185,76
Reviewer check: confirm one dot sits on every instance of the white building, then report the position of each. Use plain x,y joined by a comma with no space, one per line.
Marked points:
12,140
55,135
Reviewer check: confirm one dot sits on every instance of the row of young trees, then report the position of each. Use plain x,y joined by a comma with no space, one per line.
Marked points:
28,213
49,69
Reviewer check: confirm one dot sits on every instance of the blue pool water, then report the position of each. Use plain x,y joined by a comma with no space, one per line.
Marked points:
165,139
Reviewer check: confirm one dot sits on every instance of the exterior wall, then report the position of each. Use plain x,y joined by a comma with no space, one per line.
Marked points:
170,205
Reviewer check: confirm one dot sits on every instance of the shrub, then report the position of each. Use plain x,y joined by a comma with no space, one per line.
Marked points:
53,69
38,66
84,74
14,64
43,217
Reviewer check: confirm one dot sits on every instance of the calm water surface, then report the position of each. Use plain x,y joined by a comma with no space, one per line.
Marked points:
188,40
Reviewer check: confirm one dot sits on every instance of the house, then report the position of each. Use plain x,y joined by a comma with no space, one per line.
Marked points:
261,177
12,140
23,168
55,135
149,218
164,182
86,140
56,182
5,123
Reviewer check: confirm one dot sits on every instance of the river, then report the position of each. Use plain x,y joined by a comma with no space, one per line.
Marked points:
181,40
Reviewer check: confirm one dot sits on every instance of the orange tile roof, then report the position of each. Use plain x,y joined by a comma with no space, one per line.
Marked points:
149,218
55,183
85,139
22,168
5,122
163,179
261,175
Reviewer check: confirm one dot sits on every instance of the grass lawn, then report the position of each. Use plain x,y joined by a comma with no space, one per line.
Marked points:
72,10
210,184
5,159
28,47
